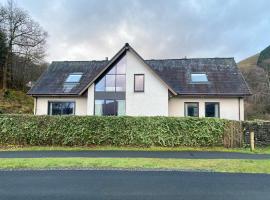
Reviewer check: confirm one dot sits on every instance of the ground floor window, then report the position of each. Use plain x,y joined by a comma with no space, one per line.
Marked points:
192,109
211,109
109,107
61,108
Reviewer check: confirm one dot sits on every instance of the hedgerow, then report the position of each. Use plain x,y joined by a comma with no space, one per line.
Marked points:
117,131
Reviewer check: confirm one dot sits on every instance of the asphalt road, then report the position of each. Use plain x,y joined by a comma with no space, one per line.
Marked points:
126,185
133,154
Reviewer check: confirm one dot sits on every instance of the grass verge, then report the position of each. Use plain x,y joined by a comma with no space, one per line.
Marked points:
265,150
217,165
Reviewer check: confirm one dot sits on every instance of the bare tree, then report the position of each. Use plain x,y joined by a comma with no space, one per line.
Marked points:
25,37
3,48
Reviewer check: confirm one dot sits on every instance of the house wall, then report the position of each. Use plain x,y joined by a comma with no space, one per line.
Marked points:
229,107
42,104
154,100
90,100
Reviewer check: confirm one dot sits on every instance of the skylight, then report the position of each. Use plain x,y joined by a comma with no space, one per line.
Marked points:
72,81
199,77
74,78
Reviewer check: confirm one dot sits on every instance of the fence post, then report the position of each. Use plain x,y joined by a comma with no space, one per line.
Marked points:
252,140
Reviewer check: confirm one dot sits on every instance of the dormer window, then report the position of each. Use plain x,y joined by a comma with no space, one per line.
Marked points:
199,78
72,80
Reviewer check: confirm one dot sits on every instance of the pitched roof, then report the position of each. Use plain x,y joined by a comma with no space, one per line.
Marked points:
52,81
224,78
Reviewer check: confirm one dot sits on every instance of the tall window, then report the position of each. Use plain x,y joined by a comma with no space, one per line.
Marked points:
61,108
192,109
138,82
110,91
211,109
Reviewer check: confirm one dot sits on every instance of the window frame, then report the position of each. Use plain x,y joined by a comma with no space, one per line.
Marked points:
49,107
143,90
208,102
185,112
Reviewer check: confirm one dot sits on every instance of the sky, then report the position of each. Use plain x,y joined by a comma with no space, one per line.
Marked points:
156,29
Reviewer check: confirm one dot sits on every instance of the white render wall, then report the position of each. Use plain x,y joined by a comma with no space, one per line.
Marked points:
90,100
42,104
154,100
229,107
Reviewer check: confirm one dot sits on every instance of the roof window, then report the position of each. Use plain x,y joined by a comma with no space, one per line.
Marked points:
74,77
72,81
199,77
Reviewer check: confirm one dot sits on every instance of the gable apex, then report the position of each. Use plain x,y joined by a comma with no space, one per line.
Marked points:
120,53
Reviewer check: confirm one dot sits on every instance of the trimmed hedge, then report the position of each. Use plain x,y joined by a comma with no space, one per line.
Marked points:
117,131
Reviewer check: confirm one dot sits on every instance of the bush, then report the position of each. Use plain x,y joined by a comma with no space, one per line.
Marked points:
117,131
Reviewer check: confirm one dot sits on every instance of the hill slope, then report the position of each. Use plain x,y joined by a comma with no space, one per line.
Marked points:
258,105
249,62
15,102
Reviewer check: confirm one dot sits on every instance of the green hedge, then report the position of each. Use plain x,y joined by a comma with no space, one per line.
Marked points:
118,131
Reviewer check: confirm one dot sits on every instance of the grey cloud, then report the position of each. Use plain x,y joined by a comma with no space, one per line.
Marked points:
93,29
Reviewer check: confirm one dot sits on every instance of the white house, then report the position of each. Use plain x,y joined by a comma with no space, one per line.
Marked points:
129,85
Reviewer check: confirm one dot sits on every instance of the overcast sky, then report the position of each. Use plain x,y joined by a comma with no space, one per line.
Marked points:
95,29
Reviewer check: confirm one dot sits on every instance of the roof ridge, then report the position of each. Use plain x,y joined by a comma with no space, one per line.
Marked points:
59,61
190,58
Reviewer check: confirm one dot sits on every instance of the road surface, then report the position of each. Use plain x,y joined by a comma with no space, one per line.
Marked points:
133,154
126,185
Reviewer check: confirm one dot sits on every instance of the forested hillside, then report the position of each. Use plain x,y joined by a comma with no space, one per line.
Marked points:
22,50
256,70
22,47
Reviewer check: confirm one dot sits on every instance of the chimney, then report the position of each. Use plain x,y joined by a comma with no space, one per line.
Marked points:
106,58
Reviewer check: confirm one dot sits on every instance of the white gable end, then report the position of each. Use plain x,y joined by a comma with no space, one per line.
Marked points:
154,100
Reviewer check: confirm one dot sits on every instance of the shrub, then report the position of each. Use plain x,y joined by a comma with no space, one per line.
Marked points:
117,131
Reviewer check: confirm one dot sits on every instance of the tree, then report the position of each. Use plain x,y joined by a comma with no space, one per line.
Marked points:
3,51
24,38
264,62
3,48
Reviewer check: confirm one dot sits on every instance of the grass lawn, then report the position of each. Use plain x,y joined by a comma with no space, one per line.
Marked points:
216,165
93,148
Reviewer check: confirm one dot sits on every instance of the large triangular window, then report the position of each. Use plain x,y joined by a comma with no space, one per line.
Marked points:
110,90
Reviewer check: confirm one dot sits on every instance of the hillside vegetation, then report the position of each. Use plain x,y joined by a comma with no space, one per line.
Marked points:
256,72
13,101
249,62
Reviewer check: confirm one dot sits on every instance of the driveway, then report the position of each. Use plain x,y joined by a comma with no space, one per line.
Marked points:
125,185
133,154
